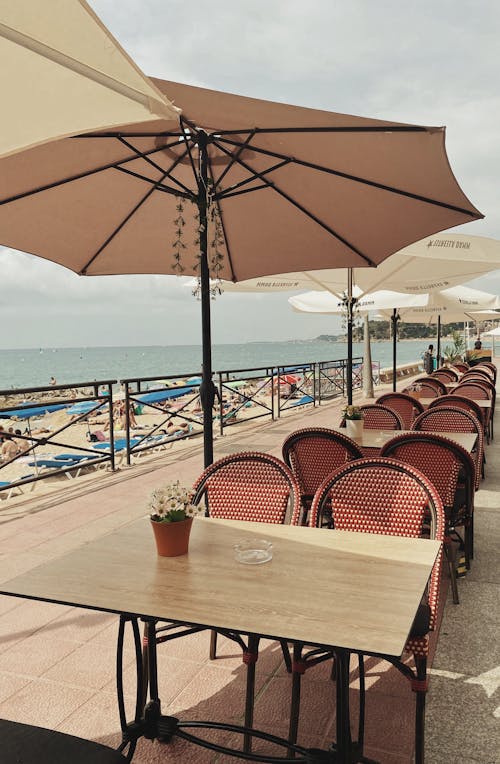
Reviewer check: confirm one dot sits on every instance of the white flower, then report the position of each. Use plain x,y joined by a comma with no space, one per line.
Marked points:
172,503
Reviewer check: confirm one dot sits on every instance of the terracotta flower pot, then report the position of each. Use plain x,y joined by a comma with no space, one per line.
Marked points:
354,428
172,539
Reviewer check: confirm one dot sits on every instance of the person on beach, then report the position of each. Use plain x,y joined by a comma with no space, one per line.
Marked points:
428,358
53,381
10,449
478,344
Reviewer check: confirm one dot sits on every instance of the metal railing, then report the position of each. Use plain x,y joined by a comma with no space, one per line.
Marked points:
243,395
26,407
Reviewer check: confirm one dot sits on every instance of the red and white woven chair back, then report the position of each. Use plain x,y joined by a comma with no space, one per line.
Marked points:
381,417
314,453
407,407
384,496
435,456
445,376
249,486
474,391
434,382
454,419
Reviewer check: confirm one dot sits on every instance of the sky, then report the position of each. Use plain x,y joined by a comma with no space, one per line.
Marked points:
432,62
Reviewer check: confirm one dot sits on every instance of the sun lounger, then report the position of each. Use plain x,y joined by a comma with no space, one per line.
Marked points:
73,457
68,466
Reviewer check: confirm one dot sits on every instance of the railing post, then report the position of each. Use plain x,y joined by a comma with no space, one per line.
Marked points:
111,427
127,421
221,409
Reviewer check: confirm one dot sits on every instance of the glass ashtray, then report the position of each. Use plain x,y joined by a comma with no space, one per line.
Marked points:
253,551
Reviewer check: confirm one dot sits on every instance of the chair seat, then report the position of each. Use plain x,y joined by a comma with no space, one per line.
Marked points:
25,744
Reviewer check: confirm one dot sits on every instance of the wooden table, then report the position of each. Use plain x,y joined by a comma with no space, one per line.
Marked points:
377,438
365,595
484,404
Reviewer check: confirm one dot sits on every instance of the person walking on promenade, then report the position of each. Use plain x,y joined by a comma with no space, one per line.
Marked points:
429,359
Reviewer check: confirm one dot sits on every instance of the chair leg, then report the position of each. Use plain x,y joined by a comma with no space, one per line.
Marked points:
420,688
449,551
213,645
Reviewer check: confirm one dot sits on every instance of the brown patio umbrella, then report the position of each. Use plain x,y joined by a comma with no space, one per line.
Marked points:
242,188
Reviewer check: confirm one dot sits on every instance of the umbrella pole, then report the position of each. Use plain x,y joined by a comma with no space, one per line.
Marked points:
367,360
349,337
438,351
394,322
207,391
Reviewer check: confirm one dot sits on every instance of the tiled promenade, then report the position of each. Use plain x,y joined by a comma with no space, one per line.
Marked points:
57,663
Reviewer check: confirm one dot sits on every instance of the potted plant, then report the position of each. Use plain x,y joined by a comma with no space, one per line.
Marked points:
353,417
171,513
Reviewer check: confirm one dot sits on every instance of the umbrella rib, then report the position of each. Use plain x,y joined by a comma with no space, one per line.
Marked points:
357,179
158,186
127,217
230,189
299,206
333,129
240,193
156,166
78,176
234,158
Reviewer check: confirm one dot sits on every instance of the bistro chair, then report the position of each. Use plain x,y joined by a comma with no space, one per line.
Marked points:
405,405
491,367
312,454
477,392
377,416
424,390
461,366
452,472
483,371
489,386
434,382
445,375
383,496
27,744
243,486
443,419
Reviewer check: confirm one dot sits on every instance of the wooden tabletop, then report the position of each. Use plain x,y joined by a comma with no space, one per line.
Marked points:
378,438
484,404
324,587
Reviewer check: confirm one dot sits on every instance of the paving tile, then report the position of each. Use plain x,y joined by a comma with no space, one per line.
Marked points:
34,655
43,703
475,733
10,683
25,620
469,633
81,625
88,666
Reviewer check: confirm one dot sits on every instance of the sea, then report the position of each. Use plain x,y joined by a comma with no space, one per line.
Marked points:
35,366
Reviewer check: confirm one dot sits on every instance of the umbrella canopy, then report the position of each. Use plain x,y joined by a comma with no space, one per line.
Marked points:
431,264
241,188
383,299
492,332
83,77
454,304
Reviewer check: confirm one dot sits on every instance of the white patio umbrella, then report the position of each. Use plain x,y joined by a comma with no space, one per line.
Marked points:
454,303
429,265
493,333
62,73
